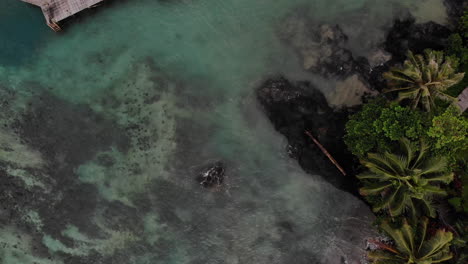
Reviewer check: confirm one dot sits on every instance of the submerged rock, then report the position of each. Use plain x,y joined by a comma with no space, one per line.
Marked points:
212,175
349,92
321,48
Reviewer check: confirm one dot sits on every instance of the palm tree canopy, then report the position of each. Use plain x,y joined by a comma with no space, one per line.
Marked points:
424,78
405,181
412,245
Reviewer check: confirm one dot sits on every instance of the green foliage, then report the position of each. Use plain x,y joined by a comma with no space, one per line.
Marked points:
396,122
460,204
422,79
361,136
376,126
405,181
458,47
400,182
449,132
412,245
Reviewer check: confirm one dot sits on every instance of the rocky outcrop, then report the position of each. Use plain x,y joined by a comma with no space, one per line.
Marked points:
212,175
455,10
407,35
349,92
321,48
294,108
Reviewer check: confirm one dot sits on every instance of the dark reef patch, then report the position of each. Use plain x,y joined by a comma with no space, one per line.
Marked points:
67,135
116,216
294,108
15,199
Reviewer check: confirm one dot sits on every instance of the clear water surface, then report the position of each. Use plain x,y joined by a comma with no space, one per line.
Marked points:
108,122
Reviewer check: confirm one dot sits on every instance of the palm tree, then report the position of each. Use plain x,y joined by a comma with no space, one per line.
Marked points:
406,181
424,78
412,246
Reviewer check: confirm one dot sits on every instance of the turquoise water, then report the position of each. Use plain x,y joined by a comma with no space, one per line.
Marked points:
136,97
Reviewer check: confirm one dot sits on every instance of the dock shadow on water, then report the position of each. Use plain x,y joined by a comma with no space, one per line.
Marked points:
106,127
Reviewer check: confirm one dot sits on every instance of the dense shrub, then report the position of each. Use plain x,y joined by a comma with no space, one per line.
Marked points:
361,136
397,122
449,133
377,125
393,182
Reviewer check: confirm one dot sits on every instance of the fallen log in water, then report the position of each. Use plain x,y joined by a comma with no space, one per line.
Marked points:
322,148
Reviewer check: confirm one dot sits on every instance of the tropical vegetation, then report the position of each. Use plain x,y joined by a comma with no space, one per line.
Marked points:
425,78
379,125
413,245
405,181
414,156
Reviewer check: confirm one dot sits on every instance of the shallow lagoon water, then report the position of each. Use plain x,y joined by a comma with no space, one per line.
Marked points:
109,122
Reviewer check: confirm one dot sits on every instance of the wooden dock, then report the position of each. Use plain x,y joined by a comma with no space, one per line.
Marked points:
58,10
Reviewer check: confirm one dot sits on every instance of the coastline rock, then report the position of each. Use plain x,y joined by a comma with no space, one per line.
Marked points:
212,175
294,108
349,92
321,48
378,57
406,35
455,10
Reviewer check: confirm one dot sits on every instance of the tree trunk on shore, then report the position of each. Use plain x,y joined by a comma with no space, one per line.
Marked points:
322,148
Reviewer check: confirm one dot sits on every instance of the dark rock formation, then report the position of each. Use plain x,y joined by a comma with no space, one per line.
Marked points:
323,51
455,10
294,108
321,48
406,35
212,175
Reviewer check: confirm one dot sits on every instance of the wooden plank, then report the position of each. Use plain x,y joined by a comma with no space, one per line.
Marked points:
325,151
58,10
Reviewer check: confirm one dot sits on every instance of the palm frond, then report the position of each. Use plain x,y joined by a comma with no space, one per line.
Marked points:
422,232
374,188
430,189
423,148
370,176
441,177
397,235
398,202
440,240
420,78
